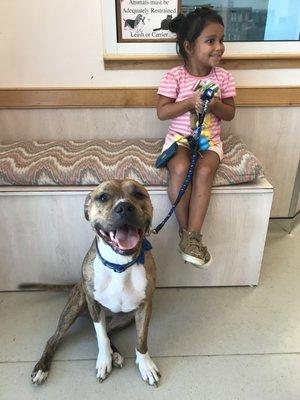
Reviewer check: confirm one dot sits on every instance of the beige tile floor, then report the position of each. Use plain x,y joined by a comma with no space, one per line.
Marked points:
210,343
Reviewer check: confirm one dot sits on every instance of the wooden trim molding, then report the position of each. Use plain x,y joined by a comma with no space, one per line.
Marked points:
133,97
229,61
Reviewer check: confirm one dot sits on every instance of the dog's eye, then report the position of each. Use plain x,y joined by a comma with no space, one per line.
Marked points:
139,195
103,197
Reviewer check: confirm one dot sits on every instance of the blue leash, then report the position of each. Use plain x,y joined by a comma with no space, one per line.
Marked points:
193,142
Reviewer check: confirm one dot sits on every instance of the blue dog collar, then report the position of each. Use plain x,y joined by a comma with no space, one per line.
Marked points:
146,246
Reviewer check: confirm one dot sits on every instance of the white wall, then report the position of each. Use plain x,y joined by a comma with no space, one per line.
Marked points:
55,43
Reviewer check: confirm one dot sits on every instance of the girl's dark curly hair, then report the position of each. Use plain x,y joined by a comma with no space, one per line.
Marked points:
189,27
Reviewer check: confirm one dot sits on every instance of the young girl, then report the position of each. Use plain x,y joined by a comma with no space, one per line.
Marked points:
200,43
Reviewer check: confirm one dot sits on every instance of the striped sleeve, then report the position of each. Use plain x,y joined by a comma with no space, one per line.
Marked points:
168,86
228,86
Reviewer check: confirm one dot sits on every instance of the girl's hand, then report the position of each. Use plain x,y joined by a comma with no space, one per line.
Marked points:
223,109
196,102
212,103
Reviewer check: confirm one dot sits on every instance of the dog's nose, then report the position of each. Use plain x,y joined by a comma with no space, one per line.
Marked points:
124,208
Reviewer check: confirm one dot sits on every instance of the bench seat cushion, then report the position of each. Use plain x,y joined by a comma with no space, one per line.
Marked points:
92,161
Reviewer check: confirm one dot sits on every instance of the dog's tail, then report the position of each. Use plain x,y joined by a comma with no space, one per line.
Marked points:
45,286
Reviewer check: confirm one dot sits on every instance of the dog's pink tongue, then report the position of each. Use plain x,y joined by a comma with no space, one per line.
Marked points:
127,238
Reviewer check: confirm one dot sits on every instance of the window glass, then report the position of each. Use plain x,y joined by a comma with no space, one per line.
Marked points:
254,20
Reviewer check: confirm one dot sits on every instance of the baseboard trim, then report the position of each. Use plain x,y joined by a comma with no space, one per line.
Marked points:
287,224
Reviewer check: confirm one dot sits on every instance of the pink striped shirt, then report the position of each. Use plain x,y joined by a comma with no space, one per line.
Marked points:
177,84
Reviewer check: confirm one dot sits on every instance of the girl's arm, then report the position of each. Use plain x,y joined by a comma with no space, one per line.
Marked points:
223,109
168,109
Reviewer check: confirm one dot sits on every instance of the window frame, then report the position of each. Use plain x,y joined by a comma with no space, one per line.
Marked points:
162,51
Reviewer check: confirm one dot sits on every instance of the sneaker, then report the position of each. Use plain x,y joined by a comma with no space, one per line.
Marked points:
192,249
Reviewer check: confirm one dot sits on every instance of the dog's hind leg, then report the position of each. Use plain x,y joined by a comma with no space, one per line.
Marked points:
118,322
117,358
75,305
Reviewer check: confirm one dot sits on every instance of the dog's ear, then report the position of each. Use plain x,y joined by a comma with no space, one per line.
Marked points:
86,206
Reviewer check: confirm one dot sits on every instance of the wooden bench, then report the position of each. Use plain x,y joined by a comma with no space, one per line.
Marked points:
44,235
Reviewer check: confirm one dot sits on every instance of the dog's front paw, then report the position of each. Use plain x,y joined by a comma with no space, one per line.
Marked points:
104,364
38,376
148,369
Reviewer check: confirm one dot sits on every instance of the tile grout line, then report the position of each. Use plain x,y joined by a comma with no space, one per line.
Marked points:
157,357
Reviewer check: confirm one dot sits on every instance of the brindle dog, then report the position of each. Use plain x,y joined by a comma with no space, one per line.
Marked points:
120,213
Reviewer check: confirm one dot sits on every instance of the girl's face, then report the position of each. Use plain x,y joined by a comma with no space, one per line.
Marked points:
208,48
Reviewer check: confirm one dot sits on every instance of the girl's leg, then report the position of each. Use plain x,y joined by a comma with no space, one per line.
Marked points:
191,247
178,167
201,189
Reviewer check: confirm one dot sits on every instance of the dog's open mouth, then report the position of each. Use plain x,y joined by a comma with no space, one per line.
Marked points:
125,238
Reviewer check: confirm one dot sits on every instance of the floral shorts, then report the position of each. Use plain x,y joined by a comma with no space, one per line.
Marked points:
216,146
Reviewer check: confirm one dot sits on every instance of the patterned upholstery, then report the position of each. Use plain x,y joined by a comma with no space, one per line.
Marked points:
92,161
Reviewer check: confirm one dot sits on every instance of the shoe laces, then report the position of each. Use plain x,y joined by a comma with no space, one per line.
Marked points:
194,242
195,239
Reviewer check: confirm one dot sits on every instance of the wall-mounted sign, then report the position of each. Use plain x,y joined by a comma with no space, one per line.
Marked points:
145,20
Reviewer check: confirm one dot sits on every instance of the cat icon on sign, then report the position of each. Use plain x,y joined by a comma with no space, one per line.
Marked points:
164,25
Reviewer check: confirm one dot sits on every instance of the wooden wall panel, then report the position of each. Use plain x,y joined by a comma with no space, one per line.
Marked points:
132,97
272,134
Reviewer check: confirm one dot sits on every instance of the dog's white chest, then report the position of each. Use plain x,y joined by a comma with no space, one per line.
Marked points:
119,292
